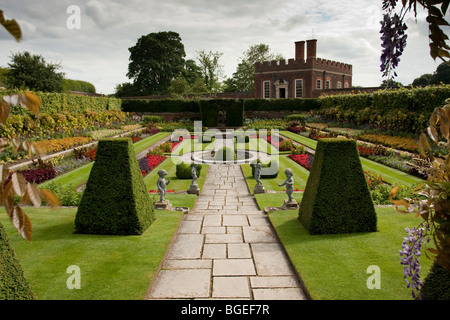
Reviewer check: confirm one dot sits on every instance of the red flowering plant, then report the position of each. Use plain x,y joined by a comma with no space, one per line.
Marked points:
301,159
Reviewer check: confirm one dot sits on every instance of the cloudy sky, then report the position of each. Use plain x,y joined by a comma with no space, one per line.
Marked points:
346,30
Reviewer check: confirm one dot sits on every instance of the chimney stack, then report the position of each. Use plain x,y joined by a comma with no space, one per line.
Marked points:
311,49
300,50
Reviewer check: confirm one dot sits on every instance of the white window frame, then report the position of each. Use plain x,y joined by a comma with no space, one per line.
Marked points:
264,89
346,84
327,84
339,85
296,90
318,84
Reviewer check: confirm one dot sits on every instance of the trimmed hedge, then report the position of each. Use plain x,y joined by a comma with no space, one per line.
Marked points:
183,170
403,110
234,109
209,109
437,284
13,284
115,200
160,106
281,105
52,102
336,198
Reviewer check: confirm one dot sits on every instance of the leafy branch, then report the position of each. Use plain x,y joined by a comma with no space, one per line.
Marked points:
432,201
16,184
393,30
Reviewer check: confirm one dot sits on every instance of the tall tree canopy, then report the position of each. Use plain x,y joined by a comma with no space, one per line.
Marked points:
27,71
211,69
441,75
155,61
243,78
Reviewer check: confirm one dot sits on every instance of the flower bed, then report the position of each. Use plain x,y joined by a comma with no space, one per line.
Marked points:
36,175
305,159
402,143
55,145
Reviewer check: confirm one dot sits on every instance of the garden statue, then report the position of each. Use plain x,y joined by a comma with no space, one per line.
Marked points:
162,184
258,188
194,187
289,183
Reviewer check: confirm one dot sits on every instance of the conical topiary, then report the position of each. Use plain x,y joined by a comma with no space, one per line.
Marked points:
13,284
115,200
336,198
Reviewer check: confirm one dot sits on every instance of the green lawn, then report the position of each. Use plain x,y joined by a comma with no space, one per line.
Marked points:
334,267
191,145
389,175
80,175
112,267
177,184
300,175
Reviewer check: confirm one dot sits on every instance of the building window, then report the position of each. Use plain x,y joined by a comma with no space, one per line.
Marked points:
346,84
299,88
266,89
339,85
319,84
327,84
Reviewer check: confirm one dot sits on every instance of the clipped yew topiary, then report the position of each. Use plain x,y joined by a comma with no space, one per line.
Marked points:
115,200
336,198
13,285
436,284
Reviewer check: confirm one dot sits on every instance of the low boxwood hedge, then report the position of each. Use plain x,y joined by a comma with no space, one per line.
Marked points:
183,170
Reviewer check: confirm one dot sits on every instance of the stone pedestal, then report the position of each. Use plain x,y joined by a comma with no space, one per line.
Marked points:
194,189
258,188
290,205
165,205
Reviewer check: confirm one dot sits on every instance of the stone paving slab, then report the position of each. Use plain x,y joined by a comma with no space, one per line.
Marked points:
225,248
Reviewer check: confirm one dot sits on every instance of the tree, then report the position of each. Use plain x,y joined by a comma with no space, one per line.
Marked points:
391,84
423,80
243,78
191,72
179,86
393,30
440,75
211,69
155,60
32,72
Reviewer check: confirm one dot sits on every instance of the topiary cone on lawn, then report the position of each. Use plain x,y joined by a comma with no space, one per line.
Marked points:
115,201
337,199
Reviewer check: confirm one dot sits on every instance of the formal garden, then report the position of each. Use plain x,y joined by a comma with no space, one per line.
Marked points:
56,197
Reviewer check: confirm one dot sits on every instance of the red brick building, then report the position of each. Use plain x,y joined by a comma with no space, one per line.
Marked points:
302,77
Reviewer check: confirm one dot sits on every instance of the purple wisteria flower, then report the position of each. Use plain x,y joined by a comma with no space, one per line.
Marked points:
410,255
393,37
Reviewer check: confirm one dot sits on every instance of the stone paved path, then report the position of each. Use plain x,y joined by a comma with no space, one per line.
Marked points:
225,248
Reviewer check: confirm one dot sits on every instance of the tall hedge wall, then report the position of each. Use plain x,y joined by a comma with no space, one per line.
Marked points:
67,102
174,105
160,106
234,109
406,110
300,105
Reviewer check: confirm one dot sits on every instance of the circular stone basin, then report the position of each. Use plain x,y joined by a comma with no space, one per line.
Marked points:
209,157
